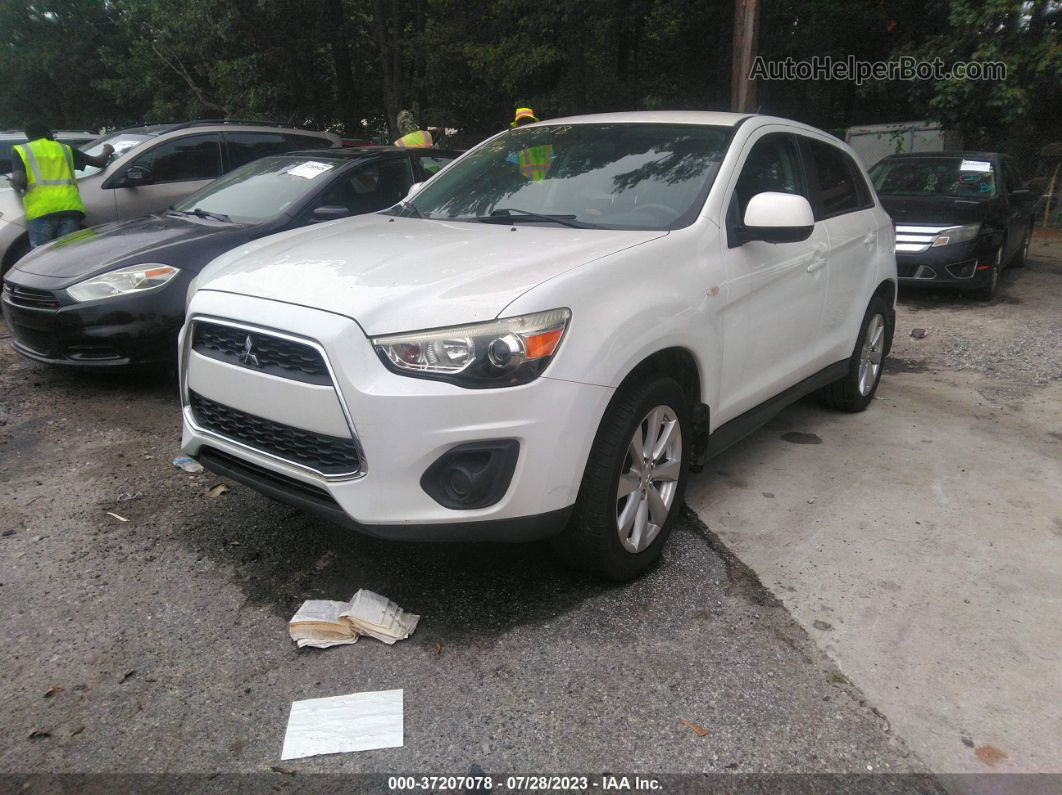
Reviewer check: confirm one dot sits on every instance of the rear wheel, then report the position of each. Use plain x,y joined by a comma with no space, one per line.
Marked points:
634,482
855,391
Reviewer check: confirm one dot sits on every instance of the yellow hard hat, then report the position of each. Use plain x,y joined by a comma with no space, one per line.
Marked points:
523,113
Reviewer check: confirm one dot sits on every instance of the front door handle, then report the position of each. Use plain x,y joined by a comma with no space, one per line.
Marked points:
870,239
818,259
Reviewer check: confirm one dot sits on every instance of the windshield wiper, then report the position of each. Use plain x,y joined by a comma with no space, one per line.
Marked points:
407,205
202,214
512,215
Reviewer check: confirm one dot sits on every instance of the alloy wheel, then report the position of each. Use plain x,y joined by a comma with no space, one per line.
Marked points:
871,356
648,479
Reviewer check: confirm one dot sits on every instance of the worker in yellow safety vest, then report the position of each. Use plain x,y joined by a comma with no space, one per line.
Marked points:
413,137
43,171
534,161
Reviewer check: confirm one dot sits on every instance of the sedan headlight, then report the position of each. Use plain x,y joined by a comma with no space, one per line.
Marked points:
956,234
132,279
504,352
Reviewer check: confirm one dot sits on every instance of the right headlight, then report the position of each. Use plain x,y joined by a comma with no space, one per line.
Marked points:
504,352
956,234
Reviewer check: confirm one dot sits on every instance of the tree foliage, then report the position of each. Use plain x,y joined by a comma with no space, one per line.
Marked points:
468,63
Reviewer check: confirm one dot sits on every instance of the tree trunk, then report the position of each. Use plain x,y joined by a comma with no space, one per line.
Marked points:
346,92
387,78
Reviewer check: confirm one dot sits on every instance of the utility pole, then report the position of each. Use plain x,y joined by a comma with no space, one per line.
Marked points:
746,28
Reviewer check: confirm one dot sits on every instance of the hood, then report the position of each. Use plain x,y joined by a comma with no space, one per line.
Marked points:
935,209
399,274
154,238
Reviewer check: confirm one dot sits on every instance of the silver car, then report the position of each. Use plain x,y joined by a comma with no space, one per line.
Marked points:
156,165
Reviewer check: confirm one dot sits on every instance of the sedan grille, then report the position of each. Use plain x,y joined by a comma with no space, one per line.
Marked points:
27,296
916,239
329,455
258,350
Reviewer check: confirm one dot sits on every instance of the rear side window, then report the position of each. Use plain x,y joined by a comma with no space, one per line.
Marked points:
309,142
193,157
834,180
246,147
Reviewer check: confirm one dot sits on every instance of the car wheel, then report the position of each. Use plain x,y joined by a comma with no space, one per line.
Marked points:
988,290
856,389
634,482
1023,251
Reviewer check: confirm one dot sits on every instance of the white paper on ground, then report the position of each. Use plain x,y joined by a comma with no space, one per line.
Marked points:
341,724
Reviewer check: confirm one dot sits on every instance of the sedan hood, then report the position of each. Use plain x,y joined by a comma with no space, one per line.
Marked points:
935,209
397,274
152,238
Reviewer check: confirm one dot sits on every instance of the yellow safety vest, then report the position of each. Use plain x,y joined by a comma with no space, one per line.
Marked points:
534,162
414,140
51,186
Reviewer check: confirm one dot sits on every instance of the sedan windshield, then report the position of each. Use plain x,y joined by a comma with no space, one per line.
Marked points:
954,177
261,189
122,143
615,176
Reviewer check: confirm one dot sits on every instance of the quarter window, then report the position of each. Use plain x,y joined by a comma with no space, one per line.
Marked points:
193,157
834,181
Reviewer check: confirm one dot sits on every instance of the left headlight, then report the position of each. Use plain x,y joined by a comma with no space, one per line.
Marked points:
131,279
504,352
956,234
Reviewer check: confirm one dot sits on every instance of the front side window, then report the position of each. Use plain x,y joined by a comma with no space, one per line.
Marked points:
773,165
192,157
370,187
615,176
835,180
953,177
122,143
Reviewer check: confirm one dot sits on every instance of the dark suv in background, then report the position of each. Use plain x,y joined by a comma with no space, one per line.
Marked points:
155,165
961,217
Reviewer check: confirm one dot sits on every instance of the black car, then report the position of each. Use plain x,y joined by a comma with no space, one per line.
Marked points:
114,295
961,217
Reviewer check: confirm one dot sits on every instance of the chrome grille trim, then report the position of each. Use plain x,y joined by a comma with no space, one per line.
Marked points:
187,351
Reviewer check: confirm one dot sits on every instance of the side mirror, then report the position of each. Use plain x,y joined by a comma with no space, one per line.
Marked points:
136,175
414,189
330,212
776,218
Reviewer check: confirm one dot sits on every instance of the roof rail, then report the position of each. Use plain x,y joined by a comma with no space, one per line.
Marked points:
204,122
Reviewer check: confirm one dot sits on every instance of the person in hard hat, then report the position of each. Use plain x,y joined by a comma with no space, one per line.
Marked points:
43,172
534,161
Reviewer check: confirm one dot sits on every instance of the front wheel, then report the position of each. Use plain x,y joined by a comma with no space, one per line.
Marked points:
634,482
856,389
987,291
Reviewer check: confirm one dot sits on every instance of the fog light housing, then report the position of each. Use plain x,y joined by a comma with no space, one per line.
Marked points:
472,475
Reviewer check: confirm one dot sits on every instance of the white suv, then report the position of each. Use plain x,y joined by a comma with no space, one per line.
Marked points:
546,337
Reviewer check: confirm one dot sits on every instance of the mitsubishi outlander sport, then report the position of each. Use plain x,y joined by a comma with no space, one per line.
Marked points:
546,337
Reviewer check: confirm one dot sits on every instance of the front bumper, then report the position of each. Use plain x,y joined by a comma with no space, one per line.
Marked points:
117,332
400,426
956,265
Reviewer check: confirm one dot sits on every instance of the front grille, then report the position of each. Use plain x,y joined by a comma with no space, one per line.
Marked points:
329,455
26,296
916,239
257,350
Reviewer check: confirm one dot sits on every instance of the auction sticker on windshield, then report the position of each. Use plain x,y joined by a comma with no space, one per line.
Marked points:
309,169
975,165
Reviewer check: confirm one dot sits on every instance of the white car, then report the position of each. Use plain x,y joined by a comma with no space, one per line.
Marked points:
546,337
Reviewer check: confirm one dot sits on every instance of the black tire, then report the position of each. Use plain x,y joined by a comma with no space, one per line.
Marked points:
591,541
844,394
987,291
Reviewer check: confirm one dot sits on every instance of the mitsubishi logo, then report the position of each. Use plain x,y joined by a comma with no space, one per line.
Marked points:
247,355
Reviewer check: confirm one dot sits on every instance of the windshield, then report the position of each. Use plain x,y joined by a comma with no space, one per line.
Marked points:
260,189
122,143
616,176
955,177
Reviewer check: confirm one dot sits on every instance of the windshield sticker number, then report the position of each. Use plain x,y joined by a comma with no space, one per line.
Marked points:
309,170
976,165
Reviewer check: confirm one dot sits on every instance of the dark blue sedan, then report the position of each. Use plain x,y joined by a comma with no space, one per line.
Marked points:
114,295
